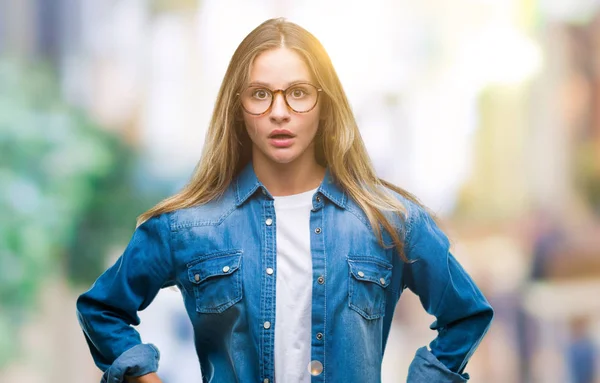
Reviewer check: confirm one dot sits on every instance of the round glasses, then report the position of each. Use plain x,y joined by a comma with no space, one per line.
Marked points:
300,97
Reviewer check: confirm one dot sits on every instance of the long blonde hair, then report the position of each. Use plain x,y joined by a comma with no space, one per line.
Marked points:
338,143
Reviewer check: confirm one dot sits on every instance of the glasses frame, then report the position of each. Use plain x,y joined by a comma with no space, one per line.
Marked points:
274,92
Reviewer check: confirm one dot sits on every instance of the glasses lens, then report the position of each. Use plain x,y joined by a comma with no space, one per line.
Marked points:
256,100
302,97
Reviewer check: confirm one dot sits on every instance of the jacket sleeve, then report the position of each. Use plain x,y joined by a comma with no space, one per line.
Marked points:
446,291
107,311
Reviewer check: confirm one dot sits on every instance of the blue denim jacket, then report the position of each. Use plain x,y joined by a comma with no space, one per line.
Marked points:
217,254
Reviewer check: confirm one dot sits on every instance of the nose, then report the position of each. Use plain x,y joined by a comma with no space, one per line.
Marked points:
279,111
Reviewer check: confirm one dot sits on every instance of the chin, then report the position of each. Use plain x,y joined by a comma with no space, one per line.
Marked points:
283,159
280,156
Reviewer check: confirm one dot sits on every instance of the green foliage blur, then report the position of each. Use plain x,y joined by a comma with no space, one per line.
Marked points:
66,194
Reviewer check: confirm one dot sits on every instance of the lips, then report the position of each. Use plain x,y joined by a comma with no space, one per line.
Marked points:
281,138
281,134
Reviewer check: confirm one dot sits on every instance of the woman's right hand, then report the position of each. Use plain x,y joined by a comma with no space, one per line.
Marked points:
148,378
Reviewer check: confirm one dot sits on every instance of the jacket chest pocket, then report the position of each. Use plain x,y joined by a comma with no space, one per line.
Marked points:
217,281
367,283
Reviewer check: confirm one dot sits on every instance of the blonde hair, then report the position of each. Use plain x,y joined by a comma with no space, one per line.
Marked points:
338,144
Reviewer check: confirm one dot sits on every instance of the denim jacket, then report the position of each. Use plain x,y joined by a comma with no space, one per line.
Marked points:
218,255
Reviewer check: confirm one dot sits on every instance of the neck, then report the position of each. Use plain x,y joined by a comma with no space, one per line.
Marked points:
287,179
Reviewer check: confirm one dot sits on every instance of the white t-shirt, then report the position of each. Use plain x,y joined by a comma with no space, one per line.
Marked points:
294,288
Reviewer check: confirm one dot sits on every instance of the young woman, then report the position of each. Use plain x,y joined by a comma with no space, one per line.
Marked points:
289,251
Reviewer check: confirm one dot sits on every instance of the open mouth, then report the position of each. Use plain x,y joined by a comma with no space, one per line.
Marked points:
281,140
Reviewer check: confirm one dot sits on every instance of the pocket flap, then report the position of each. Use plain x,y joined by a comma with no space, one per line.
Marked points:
371,271
214,265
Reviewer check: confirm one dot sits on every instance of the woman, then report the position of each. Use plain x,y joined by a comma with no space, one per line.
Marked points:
289,251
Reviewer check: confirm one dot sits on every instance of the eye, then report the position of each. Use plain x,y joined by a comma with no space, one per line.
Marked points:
298,92
260,94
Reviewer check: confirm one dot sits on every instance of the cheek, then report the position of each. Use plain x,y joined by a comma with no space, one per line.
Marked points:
252,126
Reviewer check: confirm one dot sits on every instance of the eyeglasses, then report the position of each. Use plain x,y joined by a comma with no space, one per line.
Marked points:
299,97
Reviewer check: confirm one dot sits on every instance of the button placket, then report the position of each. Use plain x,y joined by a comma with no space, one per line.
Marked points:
268,290
320,263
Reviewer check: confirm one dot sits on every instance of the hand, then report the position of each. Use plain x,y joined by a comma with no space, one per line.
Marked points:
148,378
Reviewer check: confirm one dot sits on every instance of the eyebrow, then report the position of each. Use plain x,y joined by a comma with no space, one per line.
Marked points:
267,85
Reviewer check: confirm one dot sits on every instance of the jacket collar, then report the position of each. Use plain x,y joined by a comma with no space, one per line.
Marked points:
246,184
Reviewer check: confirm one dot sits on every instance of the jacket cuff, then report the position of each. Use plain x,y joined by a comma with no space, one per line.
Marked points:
139,360
426,368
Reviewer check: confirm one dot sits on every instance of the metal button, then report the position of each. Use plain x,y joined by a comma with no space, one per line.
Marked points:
318,199
267,325
321,280
269,221
382,280
197,277
265,193
226,269
361,274
266,381
269,271
315,368
318,230
319,336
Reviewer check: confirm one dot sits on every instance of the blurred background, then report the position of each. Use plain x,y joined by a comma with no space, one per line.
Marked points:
489,111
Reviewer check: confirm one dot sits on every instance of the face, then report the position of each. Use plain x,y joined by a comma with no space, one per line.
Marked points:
281,136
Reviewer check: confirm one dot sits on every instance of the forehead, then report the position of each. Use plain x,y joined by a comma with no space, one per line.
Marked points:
279,67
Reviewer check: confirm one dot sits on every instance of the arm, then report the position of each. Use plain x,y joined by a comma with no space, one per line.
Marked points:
107,311
446,291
